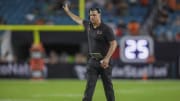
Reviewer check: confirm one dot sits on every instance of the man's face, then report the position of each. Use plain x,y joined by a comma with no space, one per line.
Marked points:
94,17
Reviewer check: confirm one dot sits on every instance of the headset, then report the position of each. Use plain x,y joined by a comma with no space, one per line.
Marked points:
95,9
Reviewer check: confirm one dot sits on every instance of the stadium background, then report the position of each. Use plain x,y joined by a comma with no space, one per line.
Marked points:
24,23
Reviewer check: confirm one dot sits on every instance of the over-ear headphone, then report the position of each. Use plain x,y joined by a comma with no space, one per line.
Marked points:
95,9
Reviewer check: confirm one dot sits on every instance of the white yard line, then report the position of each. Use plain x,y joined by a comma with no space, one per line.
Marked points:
58,95
13,99
139,90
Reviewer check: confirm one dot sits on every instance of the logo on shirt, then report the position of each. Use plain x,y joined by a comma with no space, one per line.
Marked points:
99,32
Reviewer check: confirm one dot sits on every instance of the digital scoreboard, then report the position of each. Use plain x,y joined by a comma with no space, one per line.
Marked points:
136,49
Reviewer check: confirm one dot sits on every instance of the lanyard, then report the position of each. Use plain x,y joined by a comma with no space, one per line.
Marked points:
89,40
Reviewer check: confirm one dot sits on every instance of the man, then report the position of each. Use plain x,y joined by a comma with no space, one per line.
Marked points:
101,47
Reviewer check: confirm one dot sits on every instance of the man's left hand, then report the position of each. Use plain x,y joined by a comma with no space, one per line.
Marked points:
104,63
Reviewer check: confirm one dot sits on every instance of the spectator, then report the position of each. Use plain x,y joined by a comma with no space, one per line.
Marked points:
172,5
121,27
6,47
89,4
100,3
53,57
64,57
177,37
162,17
134,28
30,18
2,21
133,2
80,58
176,21
144,2
109,9
122,9
40,21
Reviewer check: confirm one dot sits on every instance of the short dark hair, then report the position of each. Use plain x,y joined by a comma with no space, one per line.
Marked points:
95,9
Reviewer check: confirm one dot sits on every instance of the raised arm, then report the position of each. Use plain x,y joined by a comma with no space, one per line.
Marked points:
76,18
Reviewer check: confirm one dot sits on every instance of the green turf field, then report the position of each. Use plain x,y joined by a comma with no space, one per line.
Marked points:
72,90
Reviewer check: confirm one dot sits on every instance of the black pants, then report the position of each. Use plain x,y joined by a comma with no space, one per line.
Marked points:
93,71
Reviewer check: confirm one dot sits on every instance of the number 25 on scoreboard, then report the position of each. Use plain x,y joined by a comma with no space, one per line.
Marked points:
136,49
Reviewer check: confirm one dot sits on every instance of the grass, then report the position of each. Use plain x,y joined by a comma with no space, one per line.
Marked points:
72,90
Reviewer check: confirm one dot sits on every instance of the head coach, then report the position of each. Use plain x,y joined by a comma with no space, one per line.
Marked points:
102,44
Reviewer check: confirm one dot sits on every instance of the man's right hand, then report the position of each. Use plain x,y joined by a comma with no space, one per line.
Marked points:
76,18
65,7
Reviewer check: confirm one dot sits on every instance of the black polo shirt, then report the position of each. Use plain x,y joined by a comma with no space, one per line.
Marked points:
99,37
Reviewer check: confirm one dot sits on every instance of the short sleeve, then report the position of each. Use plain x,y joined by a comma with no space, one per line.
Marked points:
85,23
109,34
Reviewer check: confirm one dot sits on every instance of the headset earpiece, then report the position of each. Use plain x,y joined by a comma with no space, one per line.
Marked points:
99,10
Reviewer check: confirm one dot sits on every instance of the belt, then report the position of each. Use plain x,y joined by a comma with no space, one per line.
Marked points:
96,56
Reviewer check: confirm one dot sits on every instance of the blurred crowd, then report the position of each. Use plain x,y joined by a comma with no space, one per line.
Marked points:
64,57
48,12
159,19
